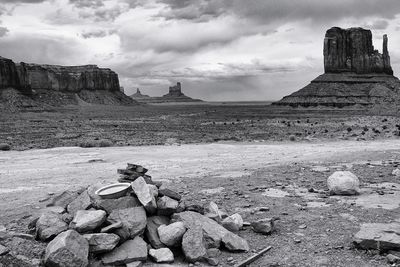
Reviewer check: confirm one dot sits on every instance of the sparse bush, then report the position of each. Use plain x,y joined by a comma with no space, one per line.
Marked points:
5,147
292,138
105,143
87,144
349,129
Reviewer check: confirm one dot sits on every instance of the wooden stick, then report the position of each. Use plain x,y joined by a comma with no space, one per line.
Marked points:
253,258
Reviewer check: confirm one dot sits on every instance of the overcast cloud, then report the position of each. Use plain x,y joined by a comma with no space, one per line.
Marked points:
218,49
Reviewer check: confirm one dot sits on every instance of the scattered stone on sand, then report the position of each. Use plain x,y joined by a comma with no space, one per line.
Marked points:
233,223
234,242
129,251
378,236
88,220
151,232
166,206
3,250
171,235
67,249
49,225
263,226
274,192
343,183
100,243
161,255
213,191
392,259
169,193
111,227
193,244
320,169
144,194
82,202
396,172
133,221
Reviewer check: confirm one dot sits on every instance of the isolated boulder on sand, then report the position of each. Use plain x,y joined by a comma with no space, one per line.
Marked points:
343,183
67,249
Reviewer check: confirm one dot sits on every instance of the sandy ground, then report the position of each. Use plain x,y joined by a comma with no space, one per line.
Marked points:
240,177
28,176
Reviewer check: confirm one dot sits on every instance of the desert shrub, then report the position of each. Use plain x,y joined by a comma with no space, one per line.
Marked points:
105,143
88,143
292,138
5,147
349,129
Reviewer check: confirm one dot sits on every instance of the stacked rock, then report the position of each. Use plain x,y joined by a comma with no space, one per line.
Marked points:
147,222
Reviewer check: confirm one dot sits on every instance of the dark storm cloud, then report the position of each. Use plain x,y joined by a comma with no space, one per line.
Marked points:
97,33
288,10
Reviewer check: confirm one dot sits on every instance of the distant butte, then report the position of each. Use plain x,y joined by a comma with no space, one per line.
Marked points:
174,94
355,73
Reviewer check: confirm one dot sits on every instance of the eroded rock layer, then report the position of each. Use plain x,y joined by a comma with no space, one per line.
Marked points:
355,73
59,85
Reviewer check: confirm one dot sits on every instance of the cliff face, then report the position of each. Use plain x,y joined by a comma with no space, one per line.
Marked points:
72,78
355,73
58,85
351,50
175,91
13,76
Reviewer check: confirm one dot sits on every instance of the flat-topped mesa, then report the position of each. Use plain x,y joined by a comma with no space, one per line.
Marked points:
175,91
72,78
351,50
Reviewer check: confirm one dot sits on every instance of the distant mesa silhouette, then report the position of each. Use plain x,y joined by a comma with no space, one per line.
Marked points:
174,94
355,73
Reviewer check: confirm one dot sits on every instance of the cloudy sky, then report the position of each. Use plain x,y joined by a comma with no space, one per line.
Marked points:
219,49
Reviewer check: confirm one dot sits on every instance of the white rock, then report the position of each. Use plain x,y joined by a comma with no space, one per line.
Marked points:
396,172
161,255
145,194
343,183
88,220
171,235
233,223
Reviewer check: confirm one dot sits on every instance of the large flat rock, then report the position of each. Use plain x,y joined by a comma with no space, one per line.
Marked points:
379,236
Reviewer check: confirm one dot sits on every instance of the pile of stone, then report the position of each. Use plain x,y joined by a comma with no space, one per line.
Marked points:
150,221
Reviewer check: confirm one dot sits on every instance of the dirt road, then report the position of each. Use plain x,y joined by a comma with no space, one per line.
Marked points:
28,176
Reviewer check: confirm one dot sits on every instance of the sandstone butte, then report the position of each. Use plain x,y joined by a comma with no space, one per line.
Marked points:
70,83
174,94
355,73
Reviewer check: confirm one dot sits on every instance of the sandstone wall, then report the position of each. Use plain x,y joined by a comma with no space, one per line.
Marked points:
72,78
13,76
351,50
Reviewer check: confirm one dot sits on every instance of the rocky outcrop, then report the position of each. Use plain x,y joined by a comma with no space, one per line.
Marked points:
351,50
13,76
58,85
71,78
175,94
139,95
355,73
175,91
